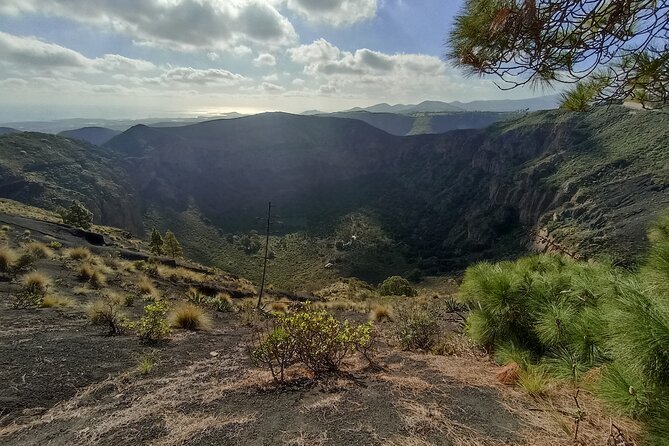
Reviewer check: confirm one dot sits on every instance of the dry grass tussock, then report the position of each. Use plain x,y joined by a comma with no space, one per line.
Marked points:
146,287
36,282
57,301
190,317
38,250
78,253
381,313
180,274
92,274
8,258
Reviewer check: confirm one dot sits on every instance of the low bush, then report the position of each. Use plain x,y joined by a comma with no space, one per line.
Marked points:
311,337
8,259
553,315
107,311
417,328
222,303
154,325
396,286
190,317
77,215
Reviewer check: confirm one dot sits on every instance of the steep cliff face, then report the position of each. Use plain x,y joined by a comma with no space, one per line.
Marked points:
50,171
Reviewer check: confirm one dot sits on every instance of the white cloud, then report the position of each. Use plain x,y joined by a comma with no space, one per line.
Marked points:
202,77
333,12
321,58
271,88
298,82
264,60
271,77
186,25
241,50
34,53
31,54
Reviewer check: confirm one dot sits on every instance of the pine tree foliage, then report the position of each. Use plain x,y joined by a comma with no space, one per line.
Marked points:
171,245
619,47
77,215
568,317
156,243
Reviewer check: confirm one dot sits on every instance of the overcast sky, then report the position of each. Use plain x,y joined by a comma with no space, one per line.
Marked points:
140,58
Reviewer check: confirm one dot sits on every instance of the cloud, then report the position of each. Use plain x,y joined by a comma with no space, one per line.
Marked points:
334,12
33,59
31,54
202,77
271,88
34,53
264,60
321,58
185,25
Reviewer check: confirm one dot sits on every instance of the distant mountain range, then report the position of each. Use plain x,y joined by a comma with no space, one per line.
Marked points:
94,135
8,130
503,105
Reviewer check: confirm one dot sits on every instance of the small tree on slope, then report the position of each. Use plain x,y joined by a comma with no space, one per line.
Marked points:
171,245
156,244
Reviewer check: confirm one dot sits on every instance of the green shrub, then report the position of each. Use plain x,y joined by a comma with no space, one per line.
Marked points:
560,317
396,286
314,338
77,215
276,351
221,303
153,325
417,329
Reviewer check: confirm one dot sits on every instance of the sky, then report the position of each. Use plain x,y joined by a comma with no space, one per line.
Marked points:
164,58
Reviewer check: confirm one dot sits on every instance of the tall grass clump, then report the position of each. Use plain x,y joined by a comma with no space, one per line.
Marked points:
8,259
190,317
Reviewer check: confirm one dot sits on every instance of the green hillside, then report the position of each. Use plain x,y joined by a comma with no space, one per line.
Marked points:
584,183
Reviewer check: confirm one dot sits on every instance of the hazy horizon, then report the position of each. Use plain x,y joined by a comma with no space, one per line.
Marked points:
104,59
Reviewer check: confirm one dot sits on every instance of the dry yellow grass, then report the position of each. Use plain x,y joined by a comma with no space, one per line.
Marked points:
190,317
92,274
278,307
381,313
180,274
36,282
146,287
8,258
78,253
54,301
38,250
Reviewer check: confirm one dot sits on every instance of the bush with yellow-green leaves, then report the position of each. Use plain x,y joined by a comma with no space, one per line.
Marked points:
312,337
